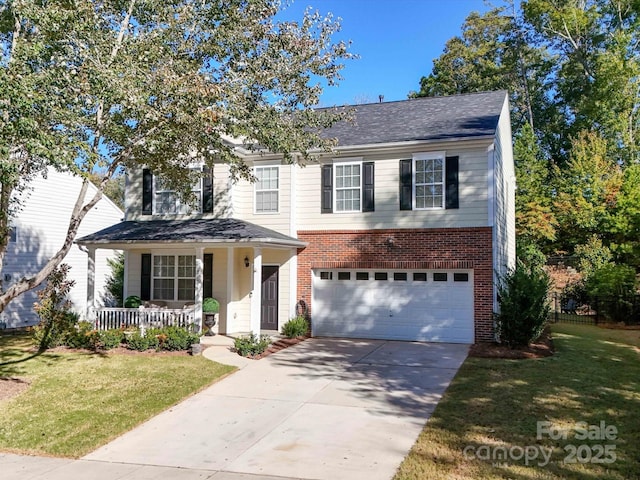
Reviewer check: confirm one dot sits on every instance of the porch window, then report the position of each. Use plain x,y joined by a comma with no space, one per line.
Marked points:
171,283
267,184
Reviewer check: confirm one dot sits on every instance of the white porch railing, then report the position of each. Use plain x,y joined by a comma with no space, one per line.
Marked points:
107,317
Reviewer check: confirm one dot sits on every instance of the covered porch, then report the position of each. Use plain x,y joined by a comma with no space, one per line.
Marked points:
173,265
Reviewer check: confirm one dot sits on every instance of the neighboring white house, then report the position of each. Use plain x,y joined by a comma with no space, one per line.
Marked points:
38,233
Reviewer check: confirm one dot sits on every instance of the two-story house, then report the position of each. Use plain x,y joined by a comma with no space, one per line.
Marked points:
400,233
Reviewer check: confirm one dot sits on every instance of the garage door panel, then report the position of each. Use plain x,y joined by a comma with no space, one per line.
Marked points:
398,310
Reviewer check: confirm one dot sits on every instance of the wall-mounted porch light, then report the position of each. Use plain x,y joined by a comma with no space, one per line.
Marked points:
246,262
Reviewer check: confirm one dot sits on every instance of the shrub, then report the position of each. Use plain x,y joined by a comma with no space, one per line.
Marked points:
251,345
109,339
210,305
524,308
138,342
81,337
613,286
132,301
57,320
176,338
296,327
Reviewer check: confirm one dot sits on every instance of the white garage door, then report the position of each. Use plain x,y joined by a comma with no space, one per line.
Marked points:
421,305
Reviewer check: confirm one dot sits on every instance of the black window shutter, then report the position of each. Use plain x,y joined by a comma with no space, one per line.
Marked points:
451,182
207,190
327,189
145,277
207,281
147,192
368,202
406,184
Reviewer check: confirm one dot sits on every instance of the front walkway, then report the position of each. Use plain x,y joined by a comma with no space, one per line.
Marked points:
323,409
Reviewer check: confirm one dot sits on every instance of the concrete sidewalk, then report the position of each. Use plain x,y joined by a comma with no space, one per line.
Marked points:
323,409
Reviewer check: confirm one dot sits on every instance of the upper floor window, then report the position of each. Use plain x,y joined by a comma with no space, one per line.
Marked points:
347,187
168,201
158,198
171,283
267,189
428,182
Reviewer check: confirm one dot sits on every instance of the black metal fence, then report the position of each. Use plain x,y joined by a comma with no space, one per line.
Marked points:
596,310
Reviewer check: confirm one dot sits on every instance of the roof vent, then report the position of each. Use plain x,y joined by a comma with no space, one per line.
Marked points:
381,98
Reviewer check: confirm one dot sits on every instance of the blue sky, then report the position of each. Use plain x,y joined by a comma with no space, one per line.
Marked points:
397,41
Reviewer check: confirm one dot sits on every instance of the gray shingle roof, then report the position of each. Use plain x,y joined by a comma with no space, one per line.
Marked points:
429,118
218,230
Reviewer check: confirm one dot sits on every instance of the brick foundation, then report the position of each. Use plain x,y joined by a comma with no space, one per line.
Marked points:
446,248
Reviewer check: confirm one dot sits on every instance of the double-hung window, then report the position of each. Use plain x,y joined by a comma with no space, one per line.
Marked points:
348,189
174,277
267,189
167,201
428,181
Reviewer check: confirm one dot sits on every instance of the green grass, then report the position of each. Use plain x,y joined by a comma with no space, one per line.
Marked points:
79,401
594,376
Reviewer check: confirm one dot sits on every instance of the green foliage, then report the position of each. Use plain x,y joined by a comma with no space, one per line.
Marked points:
57,320
210,305
296,327
166,338
115,282
108,339
611,280
132,301
82,336
592,256
524,308
138,342
530,254
251,345
93,88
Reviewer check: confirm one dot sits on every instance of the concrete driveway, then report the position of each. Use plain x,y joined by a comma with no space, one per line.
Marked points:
323,409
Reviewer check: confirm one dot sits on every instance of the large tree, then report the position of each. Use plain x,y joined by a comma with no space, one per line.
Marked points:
572,68
92,86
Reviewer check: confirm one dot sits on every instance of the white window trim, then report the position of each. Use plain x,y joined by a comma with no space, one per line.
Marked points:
175,277
345,162
428,156
255,191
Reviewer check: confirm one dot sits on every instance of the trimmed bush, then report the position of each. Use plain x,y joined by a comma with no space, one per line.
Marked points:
167,338
132,301
210,305
251,345
109,339
138,342
81,337
524,308
296,327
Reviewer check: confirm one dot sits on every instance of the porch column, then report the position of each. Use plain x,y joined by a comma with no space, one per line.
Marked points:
91,284
125,285
230,324
197,317
256,292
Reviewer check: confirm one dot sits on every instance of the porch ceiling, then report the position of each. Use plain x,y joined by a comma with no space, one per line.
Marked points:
219,231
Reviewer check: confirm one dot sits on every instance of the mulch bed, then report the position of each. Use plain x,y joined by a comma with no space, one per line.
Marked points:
119,351
543,347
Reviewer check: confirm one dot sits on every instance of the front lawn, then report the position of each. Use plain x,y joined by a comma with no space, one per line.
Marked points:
486,425
77,402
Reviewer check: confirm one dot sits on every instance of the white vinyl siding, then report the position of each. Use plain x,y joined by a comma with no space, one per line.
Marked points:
40,230
267,189
472,211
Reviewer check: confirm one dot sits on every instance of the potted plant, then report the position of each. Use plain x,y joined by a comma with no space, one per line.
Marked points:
210,309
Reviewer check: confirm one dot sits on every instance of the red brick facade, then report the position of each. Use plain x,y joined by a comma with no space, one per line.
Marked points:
446,248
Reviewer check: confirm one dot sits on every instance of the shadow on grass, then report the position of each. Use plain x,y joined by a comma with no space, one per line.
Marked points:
496,403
